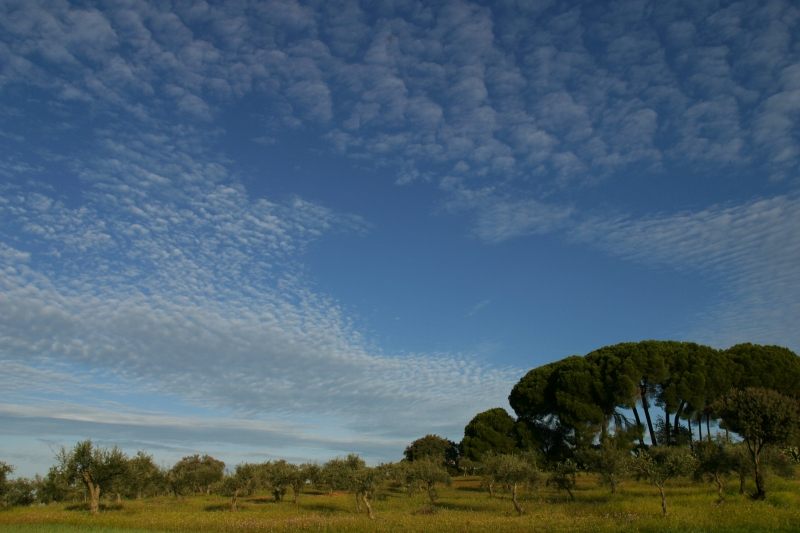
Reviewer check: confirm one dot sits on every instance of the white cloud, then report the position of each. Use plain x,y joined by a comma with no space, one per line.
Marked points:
751,249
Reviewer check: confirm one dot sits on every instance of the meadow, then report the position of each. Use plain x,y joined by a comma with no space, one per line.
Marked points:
463,506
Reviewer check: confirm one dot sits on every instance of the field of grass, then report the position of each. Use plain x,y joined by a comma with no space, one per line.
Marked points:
461,507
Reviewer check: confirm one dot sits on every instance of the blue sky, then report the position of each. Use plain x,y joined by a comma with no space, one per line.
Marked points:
283,229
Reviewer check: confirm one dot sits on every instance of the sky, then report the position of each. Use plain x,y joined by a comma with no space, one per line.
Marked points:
277,229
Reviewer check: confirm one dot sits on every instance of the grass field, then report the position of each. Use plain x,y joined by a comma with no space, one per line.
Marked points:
461,507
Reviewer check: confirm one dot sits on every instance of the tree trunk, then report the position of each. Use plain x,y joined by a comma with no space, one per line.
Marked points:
514,500
358,503
94,493
490,486
638,425
365,499
119,498
234,501
663,500
691,435
432,493
741,482
646,407
718,481
760,493
678,413
295,493
700,427
94,498
667,428
708,427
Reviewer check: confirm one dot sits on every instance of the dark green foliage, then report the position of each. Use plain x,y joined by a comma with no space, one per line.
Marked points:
433,447
493,431
762,417
568,404
19,492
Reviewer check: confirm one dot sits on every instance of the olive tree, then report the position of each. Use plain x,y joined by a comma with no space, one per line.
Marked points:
762,417
715,462
511,471
195,474
242,482
427,472
96,468
660,464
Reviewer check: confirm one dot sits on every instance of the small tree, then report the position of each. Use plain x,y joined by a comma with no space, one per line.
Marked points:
5,470
96,468
511,471
428,472
195,474
363,482
280,475
610,461
144,476
563,476
434,447
715,462
244,480
762,417
659,464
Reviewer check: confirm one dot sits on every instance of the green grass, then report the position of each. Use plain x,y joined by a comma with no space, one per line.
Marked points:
461,507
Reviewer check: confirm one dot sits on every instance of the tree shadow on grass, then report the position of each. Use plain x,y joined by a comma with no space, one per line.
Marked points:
469,507
472,489
262,500
222,507
327,508
85,507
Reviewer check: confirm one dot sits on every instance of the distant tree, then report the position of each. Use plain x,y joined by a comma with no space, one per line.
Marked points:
511,471
144,477
54,487
660,464
280,476
19,492
715,462
96,468
762,417
304,473
469,467
433,447
242,482
5,470
427,472
493,431
195,474
346,474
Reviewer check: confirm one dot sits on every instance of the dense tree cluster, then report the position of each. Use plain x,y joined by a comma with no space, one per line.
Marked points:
595,409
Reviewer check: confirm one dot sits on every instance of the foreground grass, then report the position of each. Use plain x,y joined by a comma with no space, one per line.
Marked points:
461,507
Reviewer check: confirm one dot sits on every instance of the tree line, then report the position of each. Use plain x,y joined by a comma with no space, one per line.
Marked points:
622,411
